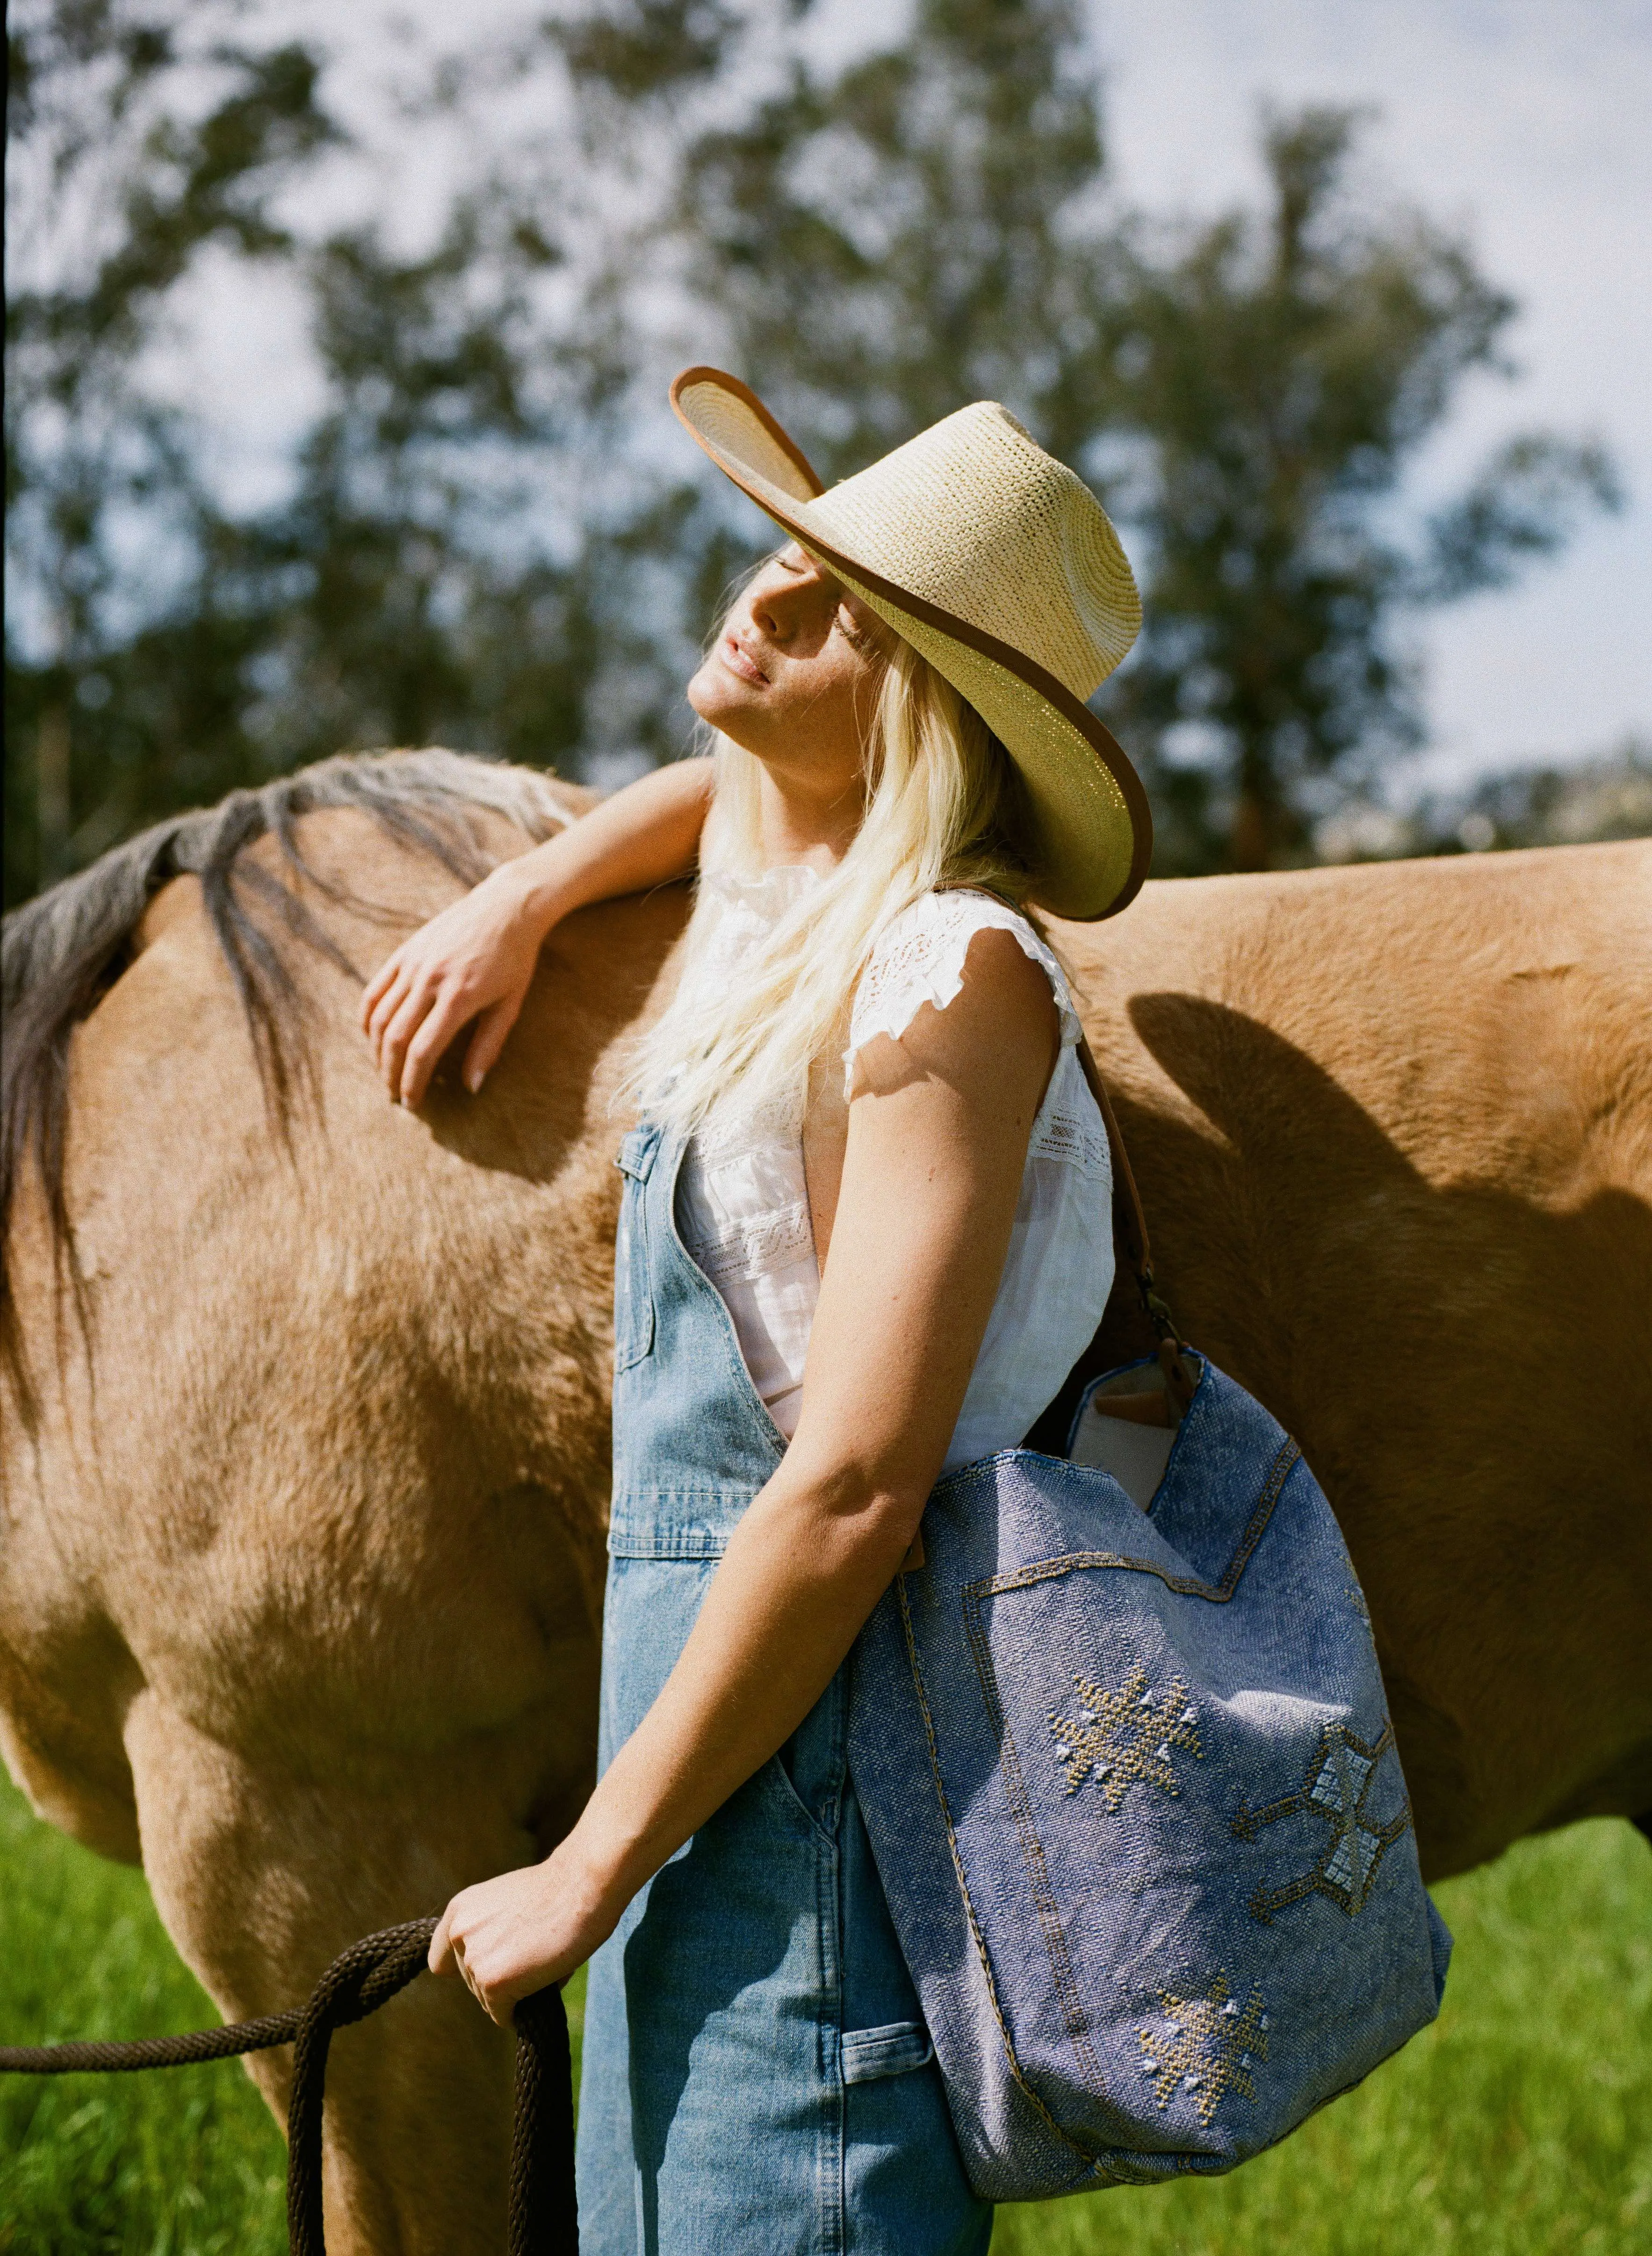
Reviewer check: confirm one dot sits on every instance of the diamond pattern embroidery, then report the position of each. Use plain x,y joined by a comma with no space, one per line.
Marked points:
1338,1782
1125,1737
1205,2048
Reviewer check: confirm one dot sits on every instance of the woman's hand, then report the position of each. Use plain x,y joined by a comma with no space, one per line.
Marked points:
475,961
510,1936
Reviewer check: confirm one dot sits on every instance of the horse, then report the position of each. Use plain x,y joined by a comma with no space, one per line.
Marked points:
307,1396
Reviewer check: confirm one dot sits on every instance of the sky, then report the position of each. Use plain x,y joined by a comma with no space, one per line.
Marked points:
1522,124
1527,124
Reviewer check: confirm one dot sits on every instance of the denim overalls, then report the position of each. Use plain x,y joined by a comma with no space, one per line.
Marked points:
757,2079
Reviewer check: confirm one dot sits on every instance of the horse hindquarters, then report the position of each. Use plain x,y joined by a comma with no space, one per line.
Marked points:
262,1878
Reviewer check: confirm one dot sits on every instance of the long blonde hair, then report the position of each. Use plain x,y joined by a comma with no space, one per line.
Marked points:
944,804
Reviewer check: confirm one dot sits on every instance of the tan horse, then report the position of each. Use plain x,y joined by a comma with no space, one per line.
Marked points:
305,1449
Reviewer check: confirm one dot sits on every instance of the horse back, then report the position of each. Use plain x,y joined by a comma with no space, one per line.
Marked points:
1393,1126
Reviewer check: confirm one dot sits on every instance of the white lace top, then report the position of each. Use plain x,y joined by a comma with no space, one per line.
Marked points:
742,1202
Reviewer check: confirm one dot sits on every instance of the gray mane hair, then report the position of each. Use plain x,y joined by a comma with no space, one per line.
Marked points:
60,953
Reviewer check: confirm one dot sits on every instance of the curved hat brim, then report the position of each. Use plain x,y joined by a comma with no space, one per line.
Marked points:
1096,831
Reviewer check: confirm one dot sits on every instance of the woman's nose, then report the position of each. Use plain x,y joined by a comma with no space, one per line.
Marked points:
765,615
772,614
781,608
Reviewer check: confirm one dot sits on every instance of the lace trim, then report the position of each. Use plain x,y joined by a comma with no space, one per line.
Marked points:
1075,1138
920,959
754,1249
775,1124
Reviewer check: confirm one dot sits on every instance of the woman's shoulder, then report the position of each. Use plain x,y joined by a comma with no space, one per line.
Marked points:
920,958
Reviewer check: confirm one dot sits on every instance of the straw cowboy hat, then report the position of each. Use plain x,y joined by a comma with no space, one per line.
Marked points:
999,566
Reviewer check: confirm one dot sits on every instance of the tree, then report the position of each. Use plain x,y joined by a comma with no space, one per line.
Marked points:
482,537
1276,376
444,563
921,229
95,466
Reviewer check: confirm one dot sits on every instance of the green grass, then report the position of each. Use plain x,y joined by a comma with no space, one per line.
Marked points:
1521,2125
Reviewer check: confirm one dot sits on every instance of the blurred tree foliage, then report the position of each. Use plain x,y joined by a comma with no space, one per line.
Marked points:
485,534
1276,374
922,228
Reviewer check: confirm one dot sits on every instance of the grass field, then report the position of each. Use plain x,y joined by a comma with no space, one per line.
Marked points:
1520,2126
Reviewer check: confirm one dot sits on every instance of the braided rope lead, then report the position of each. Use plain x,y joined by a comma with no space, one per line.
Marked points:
358,1982
542,2217
96,2056
543,2214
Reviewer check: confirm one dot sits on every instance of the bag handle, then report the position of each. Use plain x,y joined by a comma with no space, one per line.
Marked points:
1127,1199
1138,1252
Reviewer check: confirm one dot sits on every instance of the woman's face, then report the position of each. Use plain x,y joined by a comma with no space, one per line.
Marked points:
795,671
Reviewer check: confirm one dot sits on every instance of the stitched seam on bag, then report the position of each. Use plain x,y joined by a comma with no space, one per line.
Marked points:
1091,2163
1317,1879
1033,1849
1186,1586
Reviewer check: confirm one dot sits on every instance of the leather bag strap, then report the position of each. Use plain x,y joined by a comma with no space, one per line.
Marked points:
1130,1215
1131,1219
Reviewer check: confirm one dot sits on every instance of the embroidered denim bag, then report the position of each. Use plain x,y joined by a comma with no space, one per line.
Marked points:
1131,1785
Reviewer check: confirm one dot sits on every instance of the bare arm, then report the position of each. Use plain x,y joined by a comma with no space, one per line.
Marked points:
931,1175
476,959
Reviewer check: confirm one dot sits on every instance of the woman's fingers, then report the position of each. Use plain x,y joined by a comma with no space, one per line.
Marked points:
492,1028
384,1010
446,1955
500,1979
440,1958
446,1013
379,984
478,953
414,1023
409,1015
510,1936
468,1942
416,1019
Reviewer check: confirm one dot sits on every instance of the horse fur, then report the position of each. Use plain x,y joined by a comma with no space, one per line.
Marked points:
305,1451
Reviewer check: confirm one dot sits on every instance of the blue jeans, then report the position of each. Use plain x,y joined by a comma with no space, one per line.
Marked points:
757,2075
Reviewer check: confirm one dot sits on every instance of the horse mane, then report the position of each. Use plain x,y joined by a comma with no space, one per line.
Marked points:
60,953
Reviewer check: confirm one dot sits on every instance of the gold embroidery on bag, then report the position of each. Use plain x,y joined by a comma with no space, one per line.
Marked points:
1206,2048
1336,1788
1126,1735
1074,2012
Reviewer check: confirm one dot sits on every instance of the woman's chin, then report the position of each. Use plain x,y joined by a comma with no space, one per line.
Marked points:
723,700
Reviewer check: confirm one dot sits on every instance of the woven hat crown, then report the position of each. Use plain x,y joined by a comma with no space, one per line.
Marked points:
975,517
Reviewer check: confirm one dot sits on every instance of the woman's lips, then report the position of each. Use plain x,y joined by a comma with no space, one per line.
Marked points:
740,662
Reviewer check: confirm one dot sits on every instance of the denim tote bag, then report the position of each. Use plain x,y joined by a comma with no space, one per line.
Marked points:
1124,1758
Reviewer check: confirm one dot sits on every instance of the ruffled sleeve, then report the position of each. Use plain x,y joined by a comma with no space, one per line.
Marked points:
920,958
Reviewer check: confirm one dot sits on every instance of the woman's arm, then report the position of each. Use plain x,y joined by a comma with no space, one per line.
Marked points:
931,1175
477,958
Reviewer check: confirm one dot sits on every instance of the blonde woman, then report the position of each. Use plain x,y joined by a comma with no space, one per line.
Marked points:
866,1234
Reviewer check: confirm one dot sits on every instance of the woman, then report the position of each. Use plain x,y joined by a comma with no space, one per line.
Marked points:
866,1234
